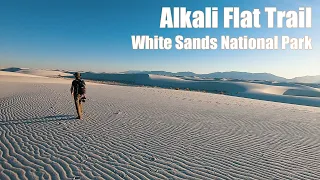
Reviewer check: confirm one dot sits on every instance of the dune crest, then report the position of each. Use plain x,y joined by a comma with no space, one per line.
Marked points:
36,72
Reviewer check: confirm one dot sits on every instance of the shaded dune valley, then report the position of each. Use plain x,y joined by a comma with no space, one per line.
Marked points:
153,133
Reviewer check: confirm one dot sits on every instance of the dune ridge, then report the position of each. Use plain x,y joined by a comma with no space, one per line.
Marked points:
46,73
36,72
276,92
150,133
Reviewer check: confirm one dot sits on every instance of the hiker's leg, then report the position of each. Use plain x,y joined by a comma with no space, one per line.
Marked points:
76,101
80,106
76,104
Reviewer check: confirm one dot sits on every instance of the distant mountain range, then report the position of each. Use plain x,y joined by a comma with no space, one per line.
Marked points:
226,75
235,75
307,79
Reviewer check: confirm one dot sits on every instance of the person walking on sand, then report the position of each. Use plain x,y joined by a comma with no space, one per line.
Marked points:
78,92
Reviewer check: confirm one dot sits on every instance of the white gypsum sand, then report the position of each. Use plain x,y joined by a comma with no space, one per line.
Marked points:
151,133
46,73
36,72
269,91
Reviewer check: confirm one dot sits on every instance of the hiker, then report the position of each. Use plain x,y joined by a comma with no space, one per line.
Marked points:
78,93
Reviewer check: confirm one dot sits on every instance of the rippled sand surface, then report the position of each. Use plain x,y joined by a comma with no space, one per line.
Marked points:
150,133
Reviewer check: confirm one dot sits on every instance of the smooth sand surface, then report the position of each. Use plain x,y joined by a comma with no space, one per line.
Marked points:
43,72
151,133
245,87
284,92
5,73
29,78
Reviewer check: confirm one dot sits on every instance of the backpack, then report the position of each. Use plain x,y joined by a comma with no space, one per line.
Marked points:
80,87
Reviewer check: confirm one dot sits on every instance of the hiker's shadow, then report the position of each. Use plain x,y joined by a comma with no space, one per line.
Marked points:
38,119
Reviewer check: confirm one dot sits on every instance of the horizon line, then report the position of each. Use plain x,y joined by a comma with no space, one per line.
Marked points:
55,69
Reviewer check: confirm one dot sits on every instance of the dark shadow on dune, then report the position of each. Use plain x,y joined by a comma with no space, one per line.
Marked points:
38,120
313,85
298,92
121,78
11,69
304,101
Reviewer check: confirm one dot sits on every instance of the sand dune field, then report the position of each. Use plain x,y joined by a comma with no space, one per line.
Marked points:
36,72
151,133
268,91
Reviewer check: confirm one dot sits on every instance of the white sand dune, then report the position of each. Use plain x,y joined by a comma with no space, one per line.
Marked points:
301,95
151,133
242,87
46,73
279,92
5,73
36,72
28,78
276,92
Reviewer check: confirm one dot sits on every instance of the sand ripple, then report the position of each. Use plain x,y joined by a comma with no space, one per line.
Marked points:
150,133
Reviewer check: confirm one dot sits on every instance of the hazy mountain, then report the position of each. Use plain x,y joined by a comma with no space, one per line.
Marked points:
186,74
307,79
244,76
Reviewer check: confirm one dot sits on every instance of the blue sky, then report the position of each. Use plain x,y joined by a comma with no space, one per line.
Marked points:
95,35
